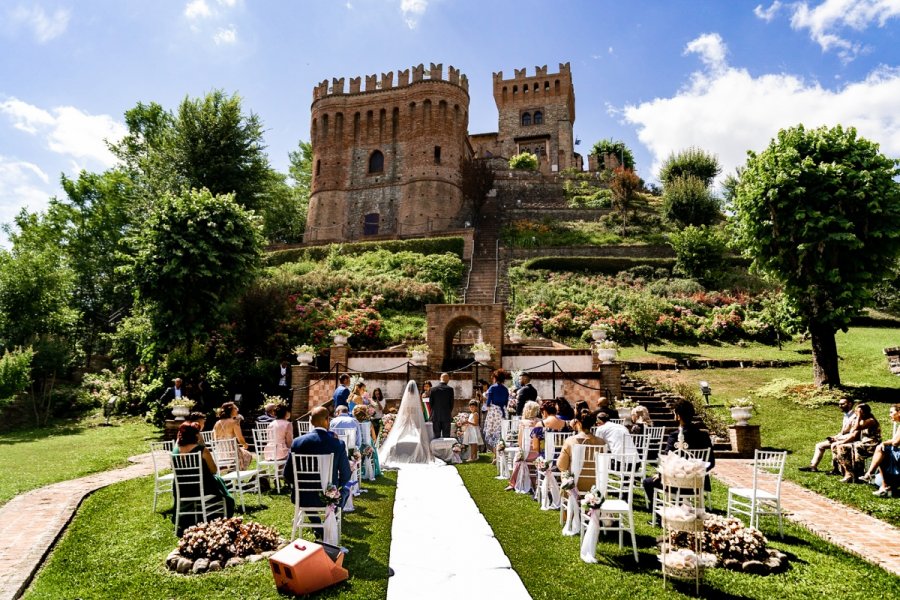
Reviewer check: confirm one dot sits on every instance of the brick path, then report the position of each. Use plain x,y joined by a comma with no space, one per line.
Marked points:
869,538
31,523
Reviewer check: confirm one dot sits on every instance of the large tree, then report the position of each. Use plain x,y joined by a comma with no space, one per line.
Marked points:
820,211
613,153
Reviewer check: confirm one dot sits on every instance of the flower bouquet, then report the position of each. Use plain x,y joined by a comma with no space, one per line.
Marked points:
457,452
354,455
592,500
540,463
368,451
331,496
500,447
566,481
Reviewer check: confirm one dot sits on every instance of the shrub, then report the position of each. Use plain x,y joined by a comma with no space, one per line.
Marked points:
524,161
698,253
15,373
594,264
690,162
687,201
437,245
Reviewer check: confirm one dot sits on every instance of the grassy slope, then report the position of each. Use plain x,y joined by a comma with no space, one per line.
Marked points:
549,566
32,458
115,548
789,426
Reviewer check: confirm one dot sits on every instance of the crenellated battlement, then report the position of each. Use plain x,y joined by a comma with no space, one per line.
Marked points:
406,77
539,71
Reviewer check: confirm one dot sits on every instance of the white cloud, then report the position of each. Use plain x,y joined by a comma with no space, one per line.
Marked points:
22,184
228,3
728,111
225,35
197,9
44,27
710,48
412,11
827,20
67,130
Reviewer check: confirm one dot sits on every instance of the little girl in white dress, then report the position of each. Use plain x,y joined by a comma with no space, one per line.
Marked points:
472,434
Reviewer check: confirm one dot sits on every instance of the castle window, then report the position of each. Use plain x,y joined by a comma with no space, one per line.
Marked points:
538,117
525,89
515,89
546,86
556,87
370,224
437,155
536,86
376,162
526,118
318,167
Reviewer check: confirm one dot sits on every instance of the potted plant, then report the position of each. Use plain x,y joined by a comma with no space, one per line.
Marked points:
340,336
305,354
606,351
741,410
418,353
482,351
181,407
599,331
515,336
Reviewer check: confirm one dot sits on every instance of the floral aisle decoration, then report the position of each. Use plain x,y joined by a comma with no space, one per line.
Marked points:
592,504
460,422
736,546
387,423
511,406
456,457
332,499
221,543
567,485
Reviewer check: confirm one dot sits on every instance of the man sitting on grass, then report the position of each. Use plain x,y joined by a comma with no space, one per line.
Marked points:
829,443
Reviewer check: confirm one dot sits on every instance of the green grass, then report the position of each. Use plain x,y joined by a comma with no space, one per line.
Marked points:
672,352
32,458
115,548
550,567
786,425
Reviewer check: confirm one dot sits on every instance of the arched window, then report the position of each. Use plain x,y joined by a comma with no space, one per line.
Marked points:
538,117
526,118
515,90
318,167
376,162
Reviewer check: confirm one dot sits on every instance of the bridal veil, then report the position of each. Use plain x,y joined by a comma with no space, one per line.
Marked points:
408,442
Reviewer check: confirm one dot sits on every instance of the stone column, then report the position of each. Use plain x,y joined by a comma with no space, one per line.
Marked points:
745,439
340,355
300,376
611,380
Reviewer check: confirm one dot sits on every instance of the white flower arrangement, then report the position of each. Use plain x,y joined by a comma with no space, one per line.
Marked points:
425,348
566,481
483,347
607,345
540,463
184,401
501,446
304,349
592,500
340,331
740,403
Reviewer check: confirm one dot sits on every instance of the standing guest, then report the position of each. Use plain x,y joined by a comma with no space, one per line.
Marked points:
848,424
280,434
441,401
531,446
604,406
525,393
378,403
583,423
356,396
188,441
284,380
361,414
865,437
229,427
341,392
472,434
174,392
887,460
496,398
319,441
268,413
564,410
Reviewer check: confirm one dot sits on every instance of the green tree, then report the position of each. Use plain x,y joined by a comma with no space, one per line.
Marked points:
477,182
284,215
690,162
644,310
819,210
698,253
688,201
524,161
624,186
194,253
615,151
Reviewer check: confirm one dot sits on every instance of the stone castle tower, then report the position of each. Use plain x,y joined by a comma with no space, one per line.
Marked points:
386,159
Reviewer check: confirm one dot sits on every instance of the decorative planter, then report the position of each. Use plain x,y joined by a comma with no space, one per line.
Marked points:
305,358
741,414
625,413
419,358
606,355
598,334
180,412
515,337
340,340
482,356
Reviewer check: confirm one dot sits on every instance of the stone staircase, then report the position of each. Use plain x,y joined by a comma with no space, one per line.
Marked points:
483,278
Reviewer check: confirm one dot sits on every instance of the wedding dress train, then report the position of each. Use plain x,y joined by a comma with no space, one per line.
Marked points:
408,442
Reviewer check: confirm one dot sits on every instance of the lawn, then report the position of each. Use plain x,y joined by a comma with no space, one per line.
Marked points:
786,425
115,548
31,458
550,568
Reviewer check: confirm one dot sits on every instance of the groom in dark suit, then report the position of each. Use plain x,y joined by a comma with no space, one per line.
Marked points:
441,407
320,441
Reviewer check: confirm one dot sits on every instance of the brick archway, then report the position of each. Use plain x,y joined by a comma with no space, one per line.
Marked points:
446,320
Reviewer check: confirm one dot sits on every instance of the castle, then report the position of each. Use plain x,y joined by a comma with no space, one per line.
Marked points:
387,159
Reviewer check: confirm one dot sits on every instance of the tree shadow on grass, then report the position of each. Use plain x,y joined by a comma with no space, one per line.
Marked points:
33,435
677,356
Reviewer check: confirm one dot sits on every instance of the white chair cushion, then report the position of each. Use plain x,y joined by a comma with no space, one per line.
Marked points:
615,505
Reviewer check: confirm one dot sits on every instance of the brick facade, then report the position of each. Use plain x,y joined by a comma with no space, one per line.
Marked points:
445,320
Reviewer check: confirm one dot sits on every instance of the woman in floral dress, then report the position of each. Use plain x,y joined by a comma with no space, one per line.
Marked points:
496,398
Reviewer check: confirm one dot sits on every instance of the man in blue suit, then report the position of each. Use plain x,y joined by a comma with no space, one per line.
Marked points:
320,441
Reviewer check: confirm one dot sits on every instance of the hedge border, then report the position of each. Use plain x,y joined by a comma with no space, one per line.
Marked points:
454,245
609,265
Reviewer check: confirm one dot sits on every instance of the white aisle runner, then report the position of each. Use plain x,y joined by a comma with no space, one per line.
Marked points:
441,545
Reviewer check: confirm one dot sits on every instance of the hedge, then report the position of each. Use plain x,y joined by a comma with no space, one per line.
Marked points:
609,265
439,245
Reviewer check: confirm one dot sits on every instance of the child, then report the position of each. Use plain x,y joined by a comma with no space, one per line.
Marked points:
472,434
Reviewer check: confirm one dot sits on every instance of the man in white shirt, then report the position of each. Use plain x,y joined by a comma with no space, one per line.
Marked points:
848,424
617,438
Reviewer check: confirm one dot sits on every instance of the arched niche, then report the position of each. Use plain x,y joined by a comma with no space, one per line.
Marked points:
452,328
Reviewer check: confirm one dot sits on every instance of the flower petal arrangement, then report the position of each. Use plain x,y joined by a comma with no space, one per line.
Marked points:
592,500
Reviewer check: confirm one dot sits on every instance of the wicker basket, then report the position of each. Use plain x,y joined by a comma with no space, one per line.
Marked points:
682,572
683,482
691,524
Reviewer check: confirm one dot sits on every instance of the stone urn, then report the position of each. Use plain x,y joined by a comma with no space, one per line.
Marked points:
606,355
305,358
624,413
482,356
741,414
598,334
418,358
515,337
340,340
180,412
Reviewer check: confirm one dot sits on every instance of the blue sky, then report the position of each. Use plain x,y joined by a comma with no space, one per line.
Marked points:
662,75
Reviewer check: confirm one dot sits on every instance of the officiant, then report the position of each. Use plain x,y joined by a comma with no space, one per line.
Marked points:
441,407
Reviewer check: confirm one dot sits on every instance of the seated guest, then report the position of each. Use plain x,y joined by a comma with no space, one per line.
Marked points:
603,405
189,441
616,437
865,437
280,434
887,460
530,446
229,427
268,413
582,406
319,441
640,419
564,410
342,421
200,419
550,420
848,423
694,439
583,425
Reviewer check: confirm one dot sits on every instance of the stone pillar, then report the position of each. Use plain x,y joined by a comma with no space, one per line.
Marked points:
300,376
611,380
340,355
745,439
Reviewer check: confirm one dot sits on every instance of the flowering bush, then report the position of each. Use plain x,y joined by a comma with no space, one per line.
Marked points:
222,539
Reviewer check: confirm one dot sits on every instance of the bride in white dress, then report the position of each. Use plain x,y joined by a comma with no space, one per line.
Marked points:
408,442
